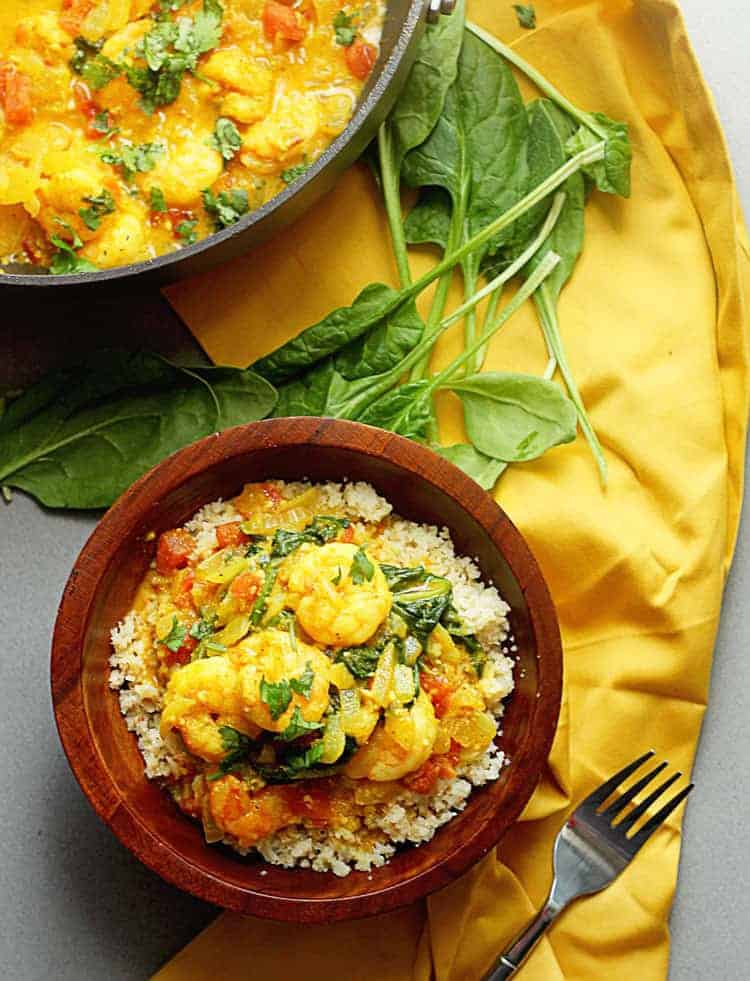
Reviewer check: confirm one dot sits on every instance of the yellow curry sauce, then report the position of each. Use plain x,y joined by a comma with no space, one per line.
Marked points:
129,128
305,674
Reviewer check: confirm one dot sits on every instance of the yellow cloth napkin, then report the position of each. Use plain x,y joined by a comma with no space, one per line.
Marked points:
655,321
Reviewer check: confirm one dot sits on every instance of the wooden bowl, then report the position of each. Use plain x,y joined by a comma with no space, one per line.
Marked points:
104,756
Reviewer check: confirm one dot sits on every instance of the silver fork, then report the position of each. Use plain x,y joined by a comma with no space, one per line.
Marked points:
591,851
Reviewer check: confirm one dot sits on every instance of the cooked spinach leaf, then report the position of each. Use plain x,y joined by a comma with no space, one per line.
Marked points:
360,662
419,597
322,529
303,684
362,569
299,726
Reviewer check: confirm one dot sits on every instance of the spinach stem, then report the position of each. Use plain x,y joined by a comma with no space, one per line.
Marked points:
583,159
488,318
441,293
550,327
535,280
515,267
390,180
584,118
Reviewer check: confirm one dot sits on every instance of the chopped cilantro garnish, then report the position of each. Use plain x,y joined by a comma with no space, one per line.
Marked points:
176,636
226,138
187,233
65,260
362,569
237,745
292,174
299,726
158,201
170,49
303,684
98,206
134,159
103,124
202,629
344,27
277,695
94,68
337,578
227,207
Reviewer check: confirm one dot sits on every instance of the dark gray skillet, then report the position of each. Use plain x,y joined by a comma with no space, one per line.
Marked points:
404,23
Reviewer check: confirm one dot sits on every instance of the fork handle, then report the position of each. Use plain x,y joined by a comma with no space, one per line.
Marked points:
514,955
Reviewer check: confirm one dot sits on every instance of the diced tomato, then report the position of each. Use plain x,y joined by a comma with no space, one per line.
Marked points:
230,534
360,57
347,535
281,21
173,551
423,780
246,587
439,691
15,95
309,11
73,14
182,596
181,656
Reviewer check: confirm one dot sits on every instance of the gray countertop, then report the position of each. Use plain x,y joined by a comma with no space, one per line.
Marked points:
77,906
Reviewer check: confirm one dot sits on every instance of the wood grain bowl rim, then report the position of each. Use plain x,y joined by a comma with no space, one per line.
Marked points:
80,593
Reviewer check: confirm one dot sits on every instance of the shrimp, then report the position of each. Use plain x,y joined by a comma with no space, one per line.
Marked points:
400,746
200,698
247,816
273,657
331,607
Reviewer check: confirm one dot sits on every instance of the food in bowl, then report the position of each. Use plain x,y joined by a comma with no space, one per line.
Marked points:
312,677
131,128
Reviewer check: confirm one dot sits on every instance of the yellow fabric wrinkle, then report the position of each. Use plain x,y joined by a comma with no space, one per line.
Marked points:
655,324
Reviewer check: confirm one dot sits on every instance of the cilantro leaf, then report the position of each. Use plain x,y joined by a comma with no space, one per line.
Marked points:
277,695
206,32
93,67
65,261
292,174
134,159
303,684
187,233
344,28
99,205
226,208
362,569
158,201
202,629
237,745
526,15
102,124
226,138
176,636
299,726
261,602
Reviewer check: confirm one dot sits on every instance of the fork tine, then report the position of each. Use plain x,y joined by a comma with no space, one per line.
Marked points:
624,799
640,839
630,819
598,796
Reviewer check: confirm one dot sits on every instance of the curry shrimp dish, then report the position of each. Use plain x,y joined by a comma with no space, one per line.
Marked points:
313,678
130,128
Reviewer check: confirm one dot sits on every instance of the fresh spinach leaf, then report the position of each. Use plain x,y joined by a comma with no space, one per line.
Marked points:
82,435
514,417
429,221
480,467
403,410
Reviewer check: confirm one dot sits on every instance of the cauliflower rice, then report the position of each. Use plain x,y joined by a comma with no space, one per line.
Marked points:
408,818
